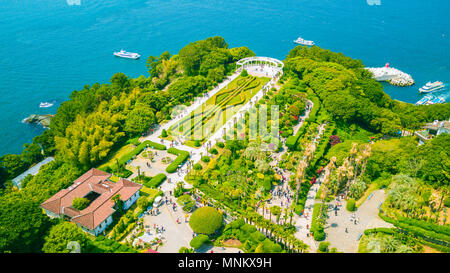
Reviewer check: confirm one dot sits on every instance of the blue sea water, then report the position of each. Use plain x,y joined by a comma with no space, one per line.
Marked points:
48,48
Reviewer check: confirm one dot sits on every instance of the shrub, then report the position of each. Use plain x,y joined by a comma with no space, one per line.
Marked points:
213,151
220,145
184,249
142,202
237,223
257,237
323,246
206,220
197,143
164,133
198,241
156,181
247,228
244,73
447,202
80,203
291,141
198,166
351,205
206,159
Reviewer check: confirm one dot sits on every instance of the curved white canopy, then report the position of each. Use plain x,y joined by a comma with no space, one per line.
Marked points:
250,61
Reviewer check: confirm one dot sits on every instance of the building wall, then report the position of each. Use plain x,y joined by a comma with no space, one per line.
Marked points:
103,225
127,204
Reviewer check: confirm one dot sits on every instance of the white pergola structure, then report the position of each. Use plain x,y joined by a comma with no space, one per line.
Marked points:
260,61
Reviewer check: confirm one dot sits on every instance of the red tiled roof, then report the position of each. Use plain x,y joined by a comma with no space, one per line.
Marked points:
101,208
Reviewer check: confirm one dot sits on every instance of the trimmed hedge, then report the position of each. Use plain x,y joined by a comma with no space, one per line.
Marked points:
182,157
206,220
389,231
156,181
351,205
438,234
317,228
154,145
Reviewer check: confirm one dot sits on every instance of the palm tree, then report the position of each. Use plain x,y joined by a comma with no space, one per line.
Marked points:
300,174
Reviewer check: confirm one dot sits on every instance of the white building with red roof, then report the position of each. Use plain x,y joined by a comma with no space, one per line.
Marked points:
95,186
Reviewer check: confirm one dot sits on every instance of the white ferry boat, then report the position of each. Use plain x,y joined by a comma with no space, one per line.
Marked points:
436,100
129,55
302,41
424,100
431,86
45,104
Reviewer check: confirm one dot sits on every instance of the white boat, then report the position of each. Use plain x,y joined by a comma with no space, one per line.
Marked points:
302,41
129,55
45,104
424,100
436,100
431,86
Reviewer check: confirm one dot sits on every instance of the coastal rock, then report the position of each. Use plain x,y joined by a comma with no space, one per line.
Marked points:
44,120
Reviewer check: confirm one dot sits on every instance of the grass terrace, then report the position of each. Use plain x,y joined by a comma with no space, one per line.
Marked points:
217,110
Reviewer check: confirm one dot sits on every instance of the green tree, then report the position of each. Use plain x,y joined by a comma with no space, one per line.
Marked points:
61,235
139,120
80,203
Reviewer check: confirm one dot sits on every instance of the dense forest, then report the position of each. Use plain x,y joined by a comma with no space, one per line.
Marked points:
100,118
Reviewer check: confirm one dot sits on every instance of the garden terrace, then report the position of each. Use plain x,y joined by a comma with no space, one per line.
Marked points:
205,120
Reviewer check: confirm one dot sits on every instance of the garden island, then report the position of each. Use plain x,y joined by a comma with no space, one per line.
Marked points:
220,150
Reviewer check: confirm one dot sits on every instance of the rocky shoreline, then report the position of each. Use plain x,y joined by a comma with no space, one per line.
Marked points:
43,120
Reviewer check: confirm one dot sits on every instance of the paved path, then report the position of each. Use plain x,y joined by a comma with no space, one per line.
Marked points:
366,215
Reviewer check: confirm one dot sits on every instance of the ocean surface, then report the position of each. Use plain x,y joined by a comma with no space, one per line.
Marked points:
48,48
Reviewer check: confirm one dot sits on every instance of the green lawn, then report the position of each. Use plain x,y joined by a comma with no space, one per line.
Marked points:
148,192
117,155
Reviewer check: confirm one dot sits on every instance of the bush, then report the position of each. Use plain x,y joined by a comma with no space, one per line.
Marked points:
198,241
244,73
198,166
164,133
257,237
447,202
213,151
220,145
206,220
156,181
80,203
247,228
206,159
182,157
323,246
197,143
351,205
